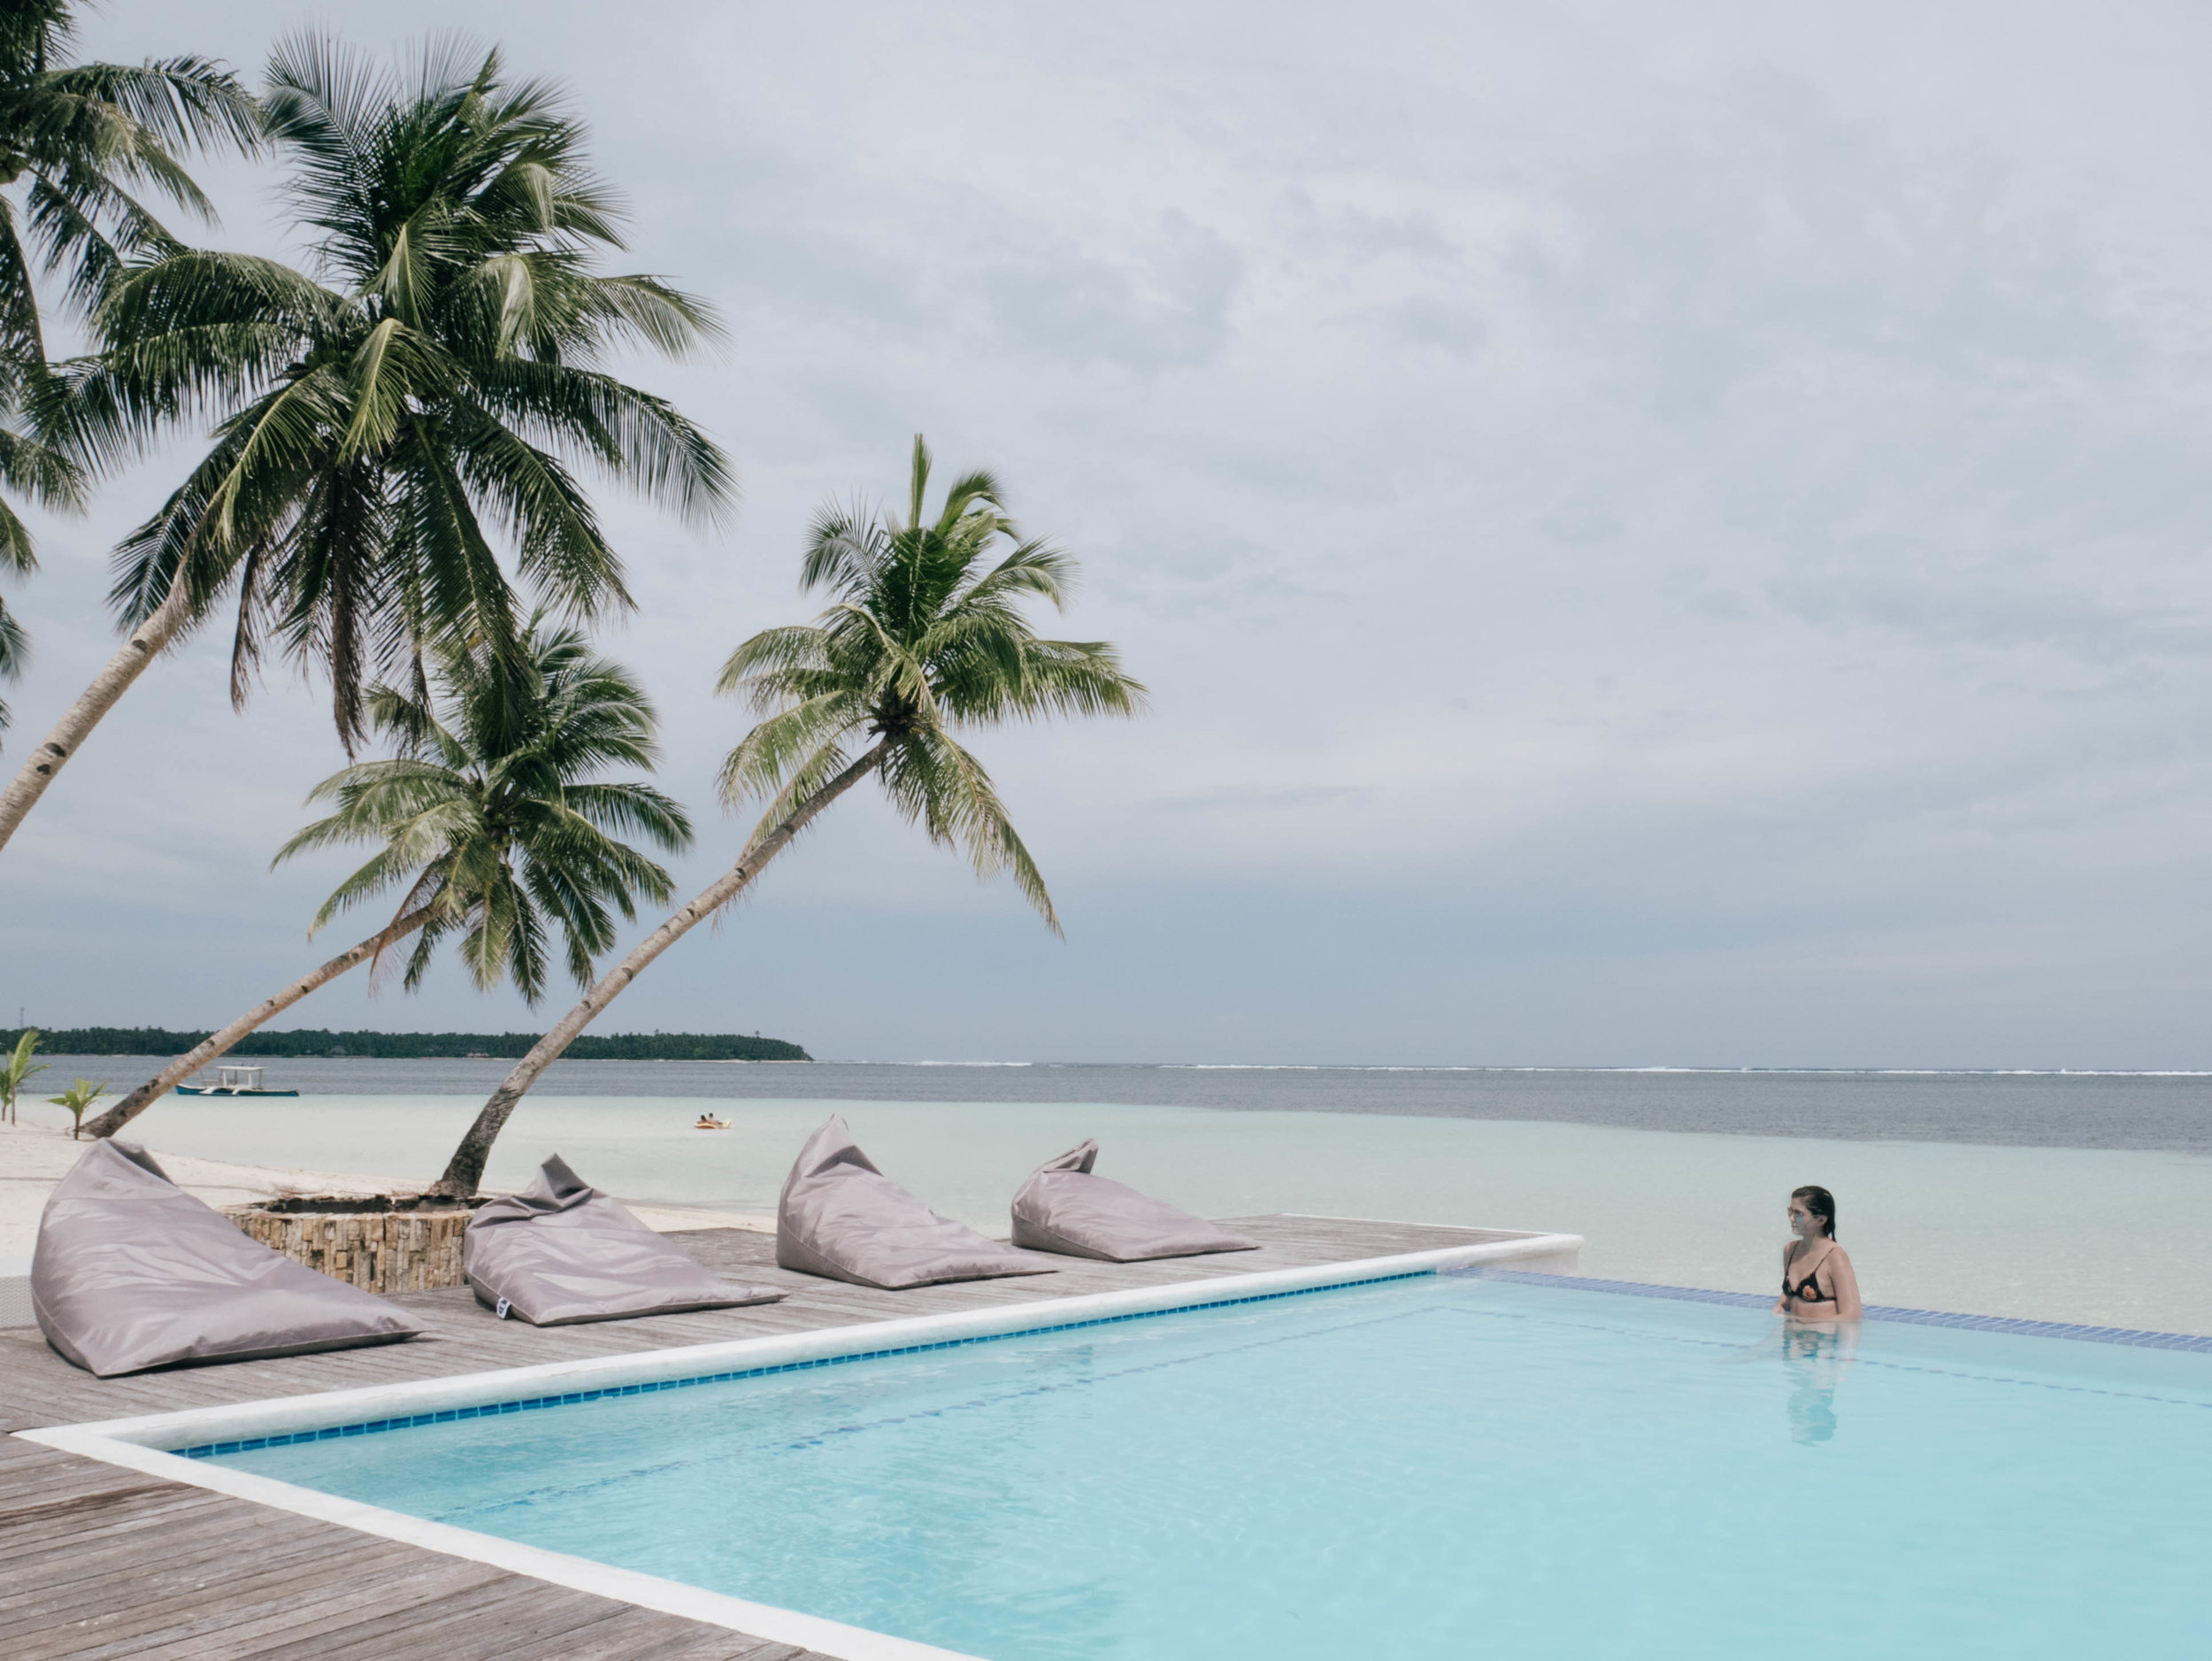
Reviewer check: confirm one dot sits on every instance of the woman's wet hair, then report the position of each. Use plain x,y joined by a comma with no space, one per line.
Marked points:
1821,1204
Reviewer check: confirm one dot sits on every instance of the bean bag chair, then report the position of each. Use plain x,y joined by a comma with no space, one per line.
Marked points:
131,1271
562,1252
1064,1208
840,1217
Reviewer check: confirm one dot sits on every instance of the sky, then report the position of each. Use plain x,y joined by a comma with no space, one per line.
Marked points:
1658,536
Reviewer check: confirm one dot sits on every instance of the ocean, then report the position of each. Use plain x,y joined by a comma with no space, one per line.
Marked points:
2025,1109
2072,1197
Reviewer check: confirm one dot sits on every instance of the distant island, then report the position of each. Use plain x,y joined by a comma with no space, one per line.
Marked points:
312,1041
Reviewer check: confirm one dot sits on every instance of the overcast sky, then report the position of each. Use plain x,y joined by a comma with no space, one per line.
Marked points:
1657,536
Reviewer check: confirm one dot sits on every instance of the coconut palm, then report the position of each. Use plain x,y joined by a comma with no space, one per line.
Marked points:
17,1069
387,425
493,828
925,635
77,1098
79,144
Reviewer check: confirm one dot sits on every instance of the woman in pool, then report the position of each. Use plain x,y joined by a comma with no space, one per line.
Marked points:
1818,1283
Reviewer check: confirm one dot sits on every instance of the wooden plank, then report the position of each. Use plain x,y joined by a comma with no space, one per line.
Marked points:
179,1596
510,1616
637,1634
40,1388
186,1545
123,1631
187,1532
42,1507
298,1624
102,1527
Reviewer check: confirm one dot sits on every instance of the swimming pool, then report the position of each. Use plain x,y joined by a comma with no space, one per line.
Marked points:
1437,1466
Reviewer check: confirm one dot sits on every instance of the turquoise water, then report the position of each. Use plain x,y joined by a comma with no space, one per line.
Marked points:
2046,1234
1444,1467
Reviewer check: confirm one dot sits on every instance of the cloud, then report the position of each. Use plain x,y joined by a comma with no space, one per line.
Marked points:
1654,536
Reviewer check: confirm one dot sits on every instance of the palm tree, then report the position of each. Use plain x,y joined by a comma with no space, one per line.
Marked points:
76,140
77,1098
494,828
925,635
428,393
17,1070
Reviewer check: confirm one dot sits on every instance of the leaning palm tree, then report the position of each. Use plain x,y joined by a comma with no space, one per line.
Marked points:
387,425
926,636
494,826
79,144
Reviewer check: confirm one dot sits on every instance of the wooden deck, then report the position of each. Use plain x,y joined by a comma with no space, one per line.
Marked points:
96,1561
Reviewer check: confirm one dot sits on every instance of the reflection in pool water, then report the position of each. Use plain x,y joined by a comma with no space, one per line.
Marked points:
1815,1358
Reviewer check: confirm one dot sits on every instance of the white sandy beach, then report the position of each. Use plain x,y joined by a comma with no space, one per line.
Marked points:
33,1157
2047,1233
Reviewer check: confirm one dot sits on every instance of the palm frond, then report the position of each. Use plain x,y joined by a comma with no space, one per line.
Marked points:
180,102
779,751
639,439
15,648
18,554
437,371
846,548
495,798
927,631
935,784
42,473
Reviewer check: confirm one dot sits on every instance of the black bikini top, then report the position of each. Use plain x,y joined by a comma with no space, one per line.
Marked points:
1807,1290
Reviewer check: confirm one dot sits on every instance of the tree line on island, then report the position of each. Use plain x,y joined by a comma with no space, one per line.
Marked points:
309,1041
393,498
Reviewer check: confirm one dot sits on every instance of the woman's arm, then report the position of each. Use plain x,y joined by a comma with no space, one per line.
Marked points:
1844,1282
1782,1304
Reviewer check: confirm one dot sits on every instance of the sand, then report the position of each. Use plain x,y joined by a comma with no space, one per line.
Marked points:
33,1157
2085,1235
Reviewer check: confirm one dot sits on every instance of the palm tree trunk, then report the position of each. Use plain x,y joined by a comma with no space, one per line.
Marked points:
147,642
465,1170
147,1094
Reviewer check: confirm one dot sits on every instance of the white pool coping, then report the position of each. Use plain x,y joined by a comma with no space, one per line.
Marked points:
145,1443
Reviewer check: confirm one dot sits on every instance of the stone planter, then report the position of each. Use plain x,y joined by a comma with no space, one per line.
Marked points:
407,1242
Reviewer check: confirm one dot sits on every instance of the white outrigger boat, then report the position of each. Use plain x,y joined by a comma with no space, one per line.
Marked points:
233,1082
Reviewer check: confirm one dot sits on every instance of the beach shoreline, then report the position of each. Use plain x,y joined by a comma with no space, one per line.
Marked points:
35,1157
1675,1207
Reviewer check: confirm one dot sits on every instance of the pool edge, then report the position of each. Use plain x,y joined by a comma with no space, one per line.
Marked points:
2018,1325
581,1574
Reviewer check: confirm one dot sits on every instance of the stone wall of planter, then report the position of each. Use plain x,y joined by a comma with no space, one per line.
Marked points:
393,1250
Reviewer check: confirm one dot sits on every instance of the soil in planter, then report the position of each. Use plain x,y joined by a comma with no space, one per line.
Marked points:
322,1204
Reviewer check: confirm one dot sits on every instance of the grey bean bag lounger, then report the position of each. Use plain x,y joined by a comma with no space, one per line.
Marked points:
132,1273
562,1252
1064,1208
842,1218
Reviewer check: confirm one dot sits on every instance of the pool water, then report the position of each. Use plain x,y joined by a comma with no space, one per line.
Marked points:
1446,1467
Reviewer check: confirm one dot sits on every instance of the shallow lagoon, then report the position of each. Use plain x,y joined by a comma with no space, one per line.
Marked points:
2098,1236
